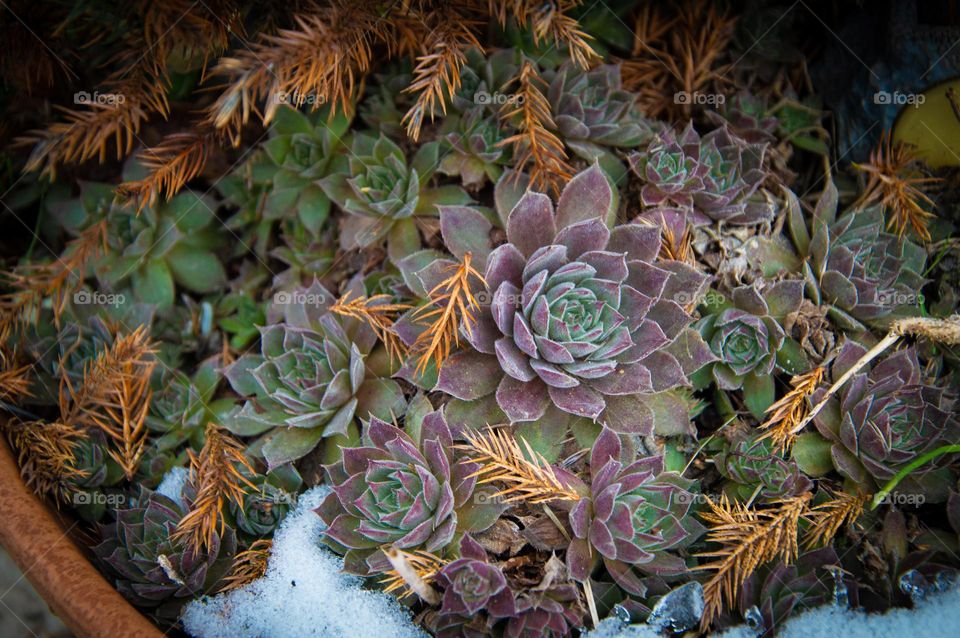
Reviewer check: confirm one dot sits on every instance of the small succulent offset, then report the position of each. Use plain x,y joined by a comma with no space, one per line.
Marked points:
171,244
849,263
383,195
579,317
748,339
473,149
97,472
408,492
595,114
883,418
471,584
635,517
751,464
262,510
151,569
312,377
718,175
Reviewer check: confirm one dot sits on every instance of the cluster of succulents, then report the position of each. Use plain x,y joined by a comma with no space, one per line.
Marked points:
537,397
717,176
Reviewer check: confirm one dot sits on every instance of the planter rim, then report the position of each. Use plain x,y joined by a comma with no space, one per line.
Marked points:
63,576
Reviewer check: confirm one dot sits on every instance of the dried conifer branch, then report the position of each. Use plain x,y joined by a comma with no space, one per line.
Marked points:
785,415
412,573
325,57
114,397
451,302
549,22
57,280
249,565
535,143
748,538
895,183
436,76
45,454
216,476
827,518
529,477
379,313
14,379
179,158
114,114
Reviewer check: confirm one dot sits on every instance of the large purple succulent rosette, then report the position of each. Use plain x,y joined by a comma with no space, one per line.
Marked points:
399,491
579,316
635,516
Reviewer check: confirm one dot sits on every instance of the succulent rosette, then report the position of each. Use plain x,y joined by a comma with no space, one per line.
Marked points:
383,194
636,515
885,416
313,376
751,464
151,568
402,491
553,613
850,264
471,584
579,318
595,114
747,338
718,175
262,510
475,153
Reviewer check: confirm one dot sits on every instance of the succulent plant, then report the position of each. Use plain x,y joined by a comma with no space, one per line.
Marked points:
751,463
151,568
473,150
471,584
182,408
408,492
579,317
171,244
717,175
552,613
594,115
749,341
883,418
382,194
746,115
311,378
776,591
97,472
262,510
635,516
848,262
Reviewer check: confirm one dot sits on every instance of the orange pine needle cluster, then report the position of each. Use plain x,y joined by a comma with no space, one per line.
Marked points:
114,397
57,280
895,183
785,416
379,313
216,476
827,518
528,475
550,23
437,74
249,565
45,454
423,564
179,158
14,379
452,302
535,143
748,538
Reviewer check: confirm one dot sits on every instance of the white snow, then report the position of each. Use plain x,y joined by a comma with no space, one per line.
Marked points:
303,593
172,484
937,616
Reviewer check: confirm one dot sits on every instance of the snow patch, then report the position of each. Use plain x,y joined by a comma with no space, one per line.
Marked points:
173,483
303,593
